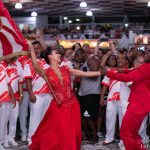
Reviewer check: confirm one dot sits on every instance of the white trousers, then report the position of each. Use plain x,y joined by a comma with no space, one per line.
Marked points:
142,130
4,117
113,108
37,112
23,113
14,113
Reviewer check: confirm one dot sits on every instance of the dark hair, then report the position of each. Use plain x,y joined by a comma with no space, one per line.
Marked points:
44,54
49,49
82,53
107,64
130,64
73,47
36,42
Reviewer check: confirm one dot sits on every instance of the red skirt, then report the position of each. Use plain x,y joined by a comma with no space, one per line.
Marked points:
60,128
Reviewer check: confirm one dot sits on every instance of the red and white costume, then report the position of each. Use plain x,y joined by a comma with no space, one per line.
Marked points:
42,93
14,71
4,101
23,109
117,102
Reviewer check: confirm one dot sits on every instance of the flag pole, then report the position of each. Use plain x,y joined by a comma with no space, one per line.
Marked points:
53,93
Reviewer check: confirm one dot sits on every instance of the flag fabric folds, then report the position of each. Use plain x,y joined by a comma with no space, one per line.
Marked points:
11,39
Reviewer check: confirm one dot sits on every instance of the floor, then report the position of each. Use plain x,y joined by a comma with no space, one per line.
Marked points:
85,146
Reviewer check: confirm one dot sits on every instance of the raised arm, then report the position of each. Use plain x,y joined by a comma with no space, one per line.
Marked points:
135,75
35,64
39,37
112,46
105,57
97,47
80,73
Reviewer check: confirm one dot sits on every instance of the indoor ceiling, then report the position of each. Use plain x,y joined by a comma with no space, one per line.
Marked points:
71,7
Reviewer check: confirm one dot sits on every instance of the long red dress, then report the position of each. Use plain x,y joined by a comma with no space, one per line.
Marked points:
60,128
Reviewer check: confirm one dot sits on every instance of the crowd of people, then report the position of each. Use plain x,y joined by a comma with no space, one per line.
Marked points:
26,90
88,31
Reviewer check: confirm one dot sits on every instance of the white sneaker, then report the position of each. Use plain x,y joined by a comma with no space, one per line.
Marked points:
121,146
29,142
1,147
13,142
6,145
24,138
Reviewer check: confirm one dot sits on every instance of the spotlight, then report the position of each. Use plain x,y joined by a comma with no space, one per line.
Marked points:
65,18
18,5
78,20
70,21
78,28
89,13
83,4
34,14
126,25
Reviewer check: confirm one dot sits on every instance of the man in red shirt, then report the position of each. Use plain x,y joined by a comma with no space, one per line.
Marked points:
139,102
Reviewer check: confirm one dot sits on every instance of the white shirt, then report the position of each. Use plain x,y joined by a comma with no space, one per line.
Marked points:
39,85
4,81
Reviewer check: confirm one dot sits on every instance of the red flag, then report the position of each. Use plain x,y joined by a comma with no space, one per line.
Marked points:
11,39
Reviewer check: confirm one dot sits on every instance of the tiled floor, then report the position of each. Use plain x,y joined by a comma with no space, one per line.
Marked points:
85,146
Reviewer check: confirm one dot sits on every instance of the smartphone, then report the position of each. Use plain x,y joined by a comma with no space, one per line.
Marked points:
103,39
141,48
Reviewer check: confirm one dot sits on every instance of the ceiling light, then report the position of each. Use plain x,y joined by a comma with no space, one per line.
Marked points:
83,4
70,21
78,28
89,13
126,25
34,14
18,5
148,4
78,20
65,18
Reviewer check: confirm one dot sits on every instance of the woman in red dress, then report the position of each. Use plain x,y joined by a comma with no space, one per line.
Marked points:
60,128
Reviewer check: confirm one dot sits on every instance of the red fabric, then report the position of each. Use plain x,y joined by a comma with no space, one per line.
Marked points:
13,30
115,96
127,70
129,130
7,48
5,97
139,105
140,90
103,83
23,60
60,128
